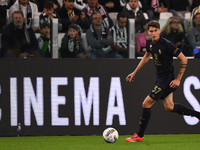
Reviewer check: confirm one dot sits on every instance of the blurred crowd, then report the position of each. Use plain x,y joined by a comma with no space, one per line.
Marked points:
94,28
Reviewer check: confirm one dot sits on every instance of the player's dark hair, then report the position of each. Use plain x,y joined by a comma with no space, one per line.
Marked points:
153,23
44,25
48,4
121,15
73,26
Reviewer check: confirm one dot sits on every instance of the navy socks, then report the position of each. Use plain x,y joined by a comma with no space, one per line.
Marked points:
146,115
183,110
178,108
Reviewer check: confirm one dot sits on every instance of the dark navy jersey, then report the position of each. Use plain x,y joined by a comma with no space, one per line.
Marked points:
162,53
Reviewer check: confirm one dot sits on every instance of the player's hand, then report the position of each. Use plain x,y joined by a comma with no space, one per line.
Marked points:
130,77
174,84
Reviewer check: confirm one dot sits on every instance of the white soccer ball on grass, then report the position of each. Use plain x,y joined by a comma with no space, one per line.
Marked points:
110,135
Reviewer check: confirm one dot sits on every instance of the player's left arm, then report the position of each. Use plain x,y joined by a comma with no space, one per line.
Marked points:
175,83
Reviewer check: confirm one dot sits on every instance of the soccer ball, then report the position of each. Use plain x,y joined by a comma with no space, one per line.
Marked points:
110,135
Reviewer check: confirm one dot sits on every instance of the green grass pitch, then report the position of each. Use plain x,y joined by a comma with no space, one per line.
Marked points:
150,142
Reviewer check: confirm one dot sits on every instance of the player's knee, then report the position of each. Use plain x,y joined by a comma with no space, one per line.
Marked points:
145,105
168,108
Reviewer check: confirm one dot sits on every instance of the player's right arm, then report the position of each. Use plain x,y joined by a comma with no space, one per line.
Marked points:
144,60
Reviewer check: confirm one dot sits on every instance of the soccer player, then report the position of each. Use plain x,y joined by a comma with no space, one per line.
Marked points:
162,52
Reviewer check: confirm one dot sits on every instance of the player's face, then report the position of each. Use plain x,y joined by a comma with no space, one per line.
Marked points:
45,30
197,19
133,3
122,22
96,19
48,11
18,20
69,4
175,24
92,3
72,33
154,33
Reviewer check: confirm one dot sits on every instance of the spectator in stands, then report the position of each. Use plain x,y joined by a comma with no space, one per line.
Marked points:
155,7
30,11
16,39
3,14
70,15
99,39
132,11
180,6
111,5
173,31
92,7
71,44
40,4
48,13
119,34
193,34
140,42
44,39
193,13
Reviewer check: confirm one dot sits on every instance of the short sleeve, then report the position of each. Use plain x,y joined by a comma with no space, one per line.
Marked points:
148,46
172,49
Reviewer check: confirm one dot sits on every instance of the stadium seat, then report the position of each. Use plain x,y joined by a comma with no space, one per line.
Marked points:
145,16
162,22
165,15
187,15
113,16
84,42
185,24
